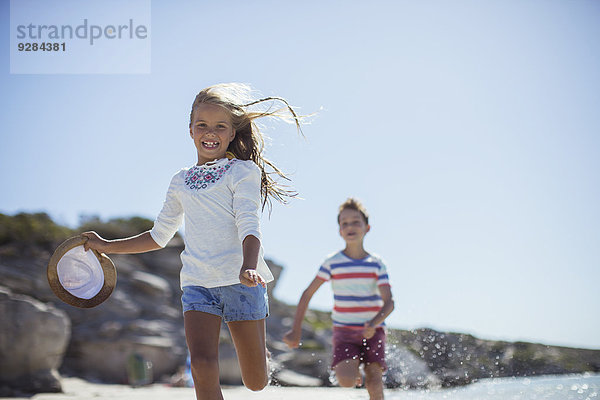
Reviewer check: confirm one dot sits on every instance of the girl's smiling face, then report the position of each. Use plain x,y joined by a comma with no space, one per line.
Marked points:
212,131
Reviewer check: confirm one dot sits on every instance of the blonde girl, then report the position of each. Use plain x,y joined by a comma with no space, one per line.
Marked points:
220,198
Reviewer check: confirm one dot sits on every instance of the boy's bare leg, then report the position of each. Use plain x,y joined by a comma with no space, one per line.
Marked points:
374,381
202,336
249,338
347,373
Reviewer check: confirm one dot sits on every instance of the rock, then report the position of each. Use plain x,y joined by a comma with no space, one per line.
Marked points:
166,262
151,285
276,271
100,349
33,340
43,381
308,362
27,276
106,360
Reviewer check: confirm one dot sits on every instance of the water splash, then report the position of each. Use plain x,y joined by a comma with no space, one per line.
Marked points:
567,387
407,370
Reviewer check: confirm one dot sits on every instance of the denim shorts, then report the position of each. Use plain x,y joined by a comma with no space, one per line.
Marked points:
232,303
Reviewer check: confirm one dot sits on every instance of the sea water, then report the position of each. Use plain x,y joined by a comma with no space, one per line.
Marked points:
557,387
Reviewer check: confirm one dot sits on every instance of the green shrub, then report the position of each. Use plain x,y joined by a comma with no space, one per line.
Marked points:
115,227
25,230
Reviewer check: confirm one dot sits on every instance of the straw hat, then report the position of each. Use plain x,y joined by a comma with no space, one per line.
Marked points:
81,278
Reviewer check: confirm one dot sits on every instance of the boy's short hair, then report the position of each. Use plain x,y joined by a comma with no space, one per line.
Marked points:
353,204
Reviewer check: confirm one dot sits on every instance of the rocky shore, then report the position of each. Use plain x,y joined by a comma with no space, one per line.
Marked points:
42,338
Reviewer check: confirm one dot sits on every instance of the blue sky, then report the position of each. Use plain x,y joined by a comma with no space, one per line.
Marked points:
469,129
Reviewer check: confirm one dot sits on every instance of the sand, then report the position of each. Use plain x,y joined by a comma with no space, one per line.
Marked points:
78,389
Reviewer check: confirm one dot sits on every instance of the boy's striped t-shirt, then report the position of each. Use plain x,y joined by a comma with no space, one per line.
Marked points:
355,285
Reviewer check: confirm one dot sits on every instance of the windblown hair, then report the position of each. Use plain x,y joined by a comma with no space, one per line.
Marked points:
248,143
354,204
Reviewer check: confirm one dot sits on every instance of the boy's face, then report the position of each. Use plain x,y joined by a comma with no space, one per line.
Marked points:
353,227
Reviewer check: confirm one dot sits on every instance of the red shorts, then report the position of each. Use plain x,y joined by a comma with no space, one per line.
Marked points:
350,344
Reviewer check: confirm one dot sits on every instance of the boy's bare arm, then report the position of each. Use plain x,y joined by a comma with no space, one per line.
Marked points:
388,306
293,336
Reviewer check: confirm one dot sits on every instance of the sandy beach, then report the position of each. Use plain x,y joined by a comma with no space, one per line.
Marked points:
577,387
78,389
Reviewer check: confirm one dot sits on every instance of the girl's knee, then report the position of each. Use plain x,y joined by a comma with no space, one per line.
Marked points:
255,373
257,383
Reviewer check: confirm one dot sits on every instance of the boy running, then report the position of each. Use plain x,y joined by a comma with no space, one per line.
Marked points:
362,301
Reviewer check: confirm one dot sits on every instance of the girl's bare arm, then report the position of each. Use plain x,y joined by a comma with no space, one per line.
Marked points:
136,244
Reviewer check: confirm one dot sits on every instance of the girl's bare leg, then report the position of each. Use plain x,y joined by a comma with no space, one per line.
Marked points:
249,338
374,381
347,373
202,336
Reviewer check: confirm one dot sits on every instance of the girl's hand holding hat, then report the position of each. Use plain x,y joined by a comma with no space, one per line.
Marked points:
80,277
95,242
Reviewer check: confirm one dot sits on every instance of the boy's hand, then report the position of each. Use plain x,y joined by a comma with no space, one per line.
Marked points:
368,330
251,278
95,242
292,338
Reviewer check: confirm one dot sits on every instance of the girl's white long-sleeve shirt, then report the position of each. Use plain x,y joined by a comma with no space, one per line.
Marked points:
220,202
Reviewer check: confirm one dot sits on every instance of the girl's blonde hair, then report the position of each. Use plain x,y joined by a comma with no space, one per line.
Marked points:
248,143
